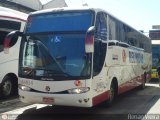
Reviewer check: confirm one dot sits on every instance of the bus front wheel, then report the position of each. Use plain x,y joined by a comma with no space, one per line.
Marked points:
6,88
112,93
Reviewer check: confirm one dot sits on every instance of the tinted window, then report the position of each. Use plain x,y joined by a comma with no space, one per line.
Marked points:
67,21
99,45
6,26
122,32
101,26
2,36
11,25
112,29
59,56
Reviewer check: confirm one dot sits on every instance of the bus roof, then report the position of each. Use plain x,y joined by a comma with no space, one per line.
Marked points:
63,9
81,8
13,14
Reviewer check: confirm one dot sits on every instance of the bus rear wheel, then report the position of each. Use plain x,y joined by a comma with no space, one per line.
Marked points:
142,86
6,88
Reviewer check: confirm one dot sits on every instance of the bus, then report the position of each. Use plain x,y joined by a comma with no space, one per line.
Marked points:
155,58
9,20
80,57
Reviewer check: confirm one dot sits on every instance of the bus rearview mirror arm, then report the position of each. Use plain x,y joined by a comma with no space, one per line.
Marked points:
13,33
91,30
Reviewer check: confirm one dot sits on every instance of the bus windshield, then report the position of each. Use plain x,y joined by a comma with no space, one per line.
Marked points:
155,55
55,50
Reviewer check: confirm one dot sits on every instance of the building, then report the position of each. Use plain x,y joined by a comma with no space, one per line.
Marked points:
154,34
28,6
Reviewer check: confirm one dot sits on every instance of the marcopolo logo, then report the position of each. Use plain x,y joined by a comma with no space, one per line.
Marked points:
47,88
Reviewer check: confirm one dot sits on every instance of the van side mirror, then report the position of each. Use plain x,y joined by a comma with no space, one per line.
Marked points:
9,39
89,40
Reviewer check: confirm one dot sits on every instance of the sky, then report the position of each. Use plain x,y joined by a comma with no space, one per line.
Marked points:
44,1
140,14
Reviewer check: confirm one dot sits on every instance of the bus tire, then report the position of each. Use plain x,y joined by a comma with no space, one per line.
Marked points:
142,86
112,92
6,88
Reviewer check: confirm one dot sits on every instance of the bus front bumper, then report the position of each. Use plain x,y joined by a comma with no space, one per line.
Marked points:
78,100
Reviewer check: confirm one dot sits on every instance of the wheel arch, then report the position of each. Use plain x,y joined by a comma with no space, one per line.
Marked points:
11,75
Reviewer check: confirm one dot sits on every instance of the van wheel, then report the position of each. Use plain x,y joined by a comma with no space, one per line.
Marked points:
6,88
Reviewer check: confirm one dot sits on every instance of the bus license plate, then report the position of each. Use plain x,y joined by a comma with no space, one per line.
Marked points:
48,100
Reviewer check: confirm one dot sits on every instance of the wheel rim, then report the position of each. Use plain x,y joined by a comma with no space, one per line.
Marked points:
7,86
111,93
144,81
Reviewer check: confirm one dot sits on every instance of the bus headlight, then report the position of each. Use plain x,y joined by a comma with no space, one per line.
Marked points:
24,88
79,90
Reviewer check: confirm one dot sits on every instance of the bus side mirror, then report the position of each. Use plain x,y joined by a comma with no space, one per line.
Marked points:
9,39
89,40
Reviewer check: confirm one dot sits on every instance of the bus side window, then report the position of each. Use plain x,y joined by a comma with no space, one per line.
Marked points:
101,27
99,44
7,27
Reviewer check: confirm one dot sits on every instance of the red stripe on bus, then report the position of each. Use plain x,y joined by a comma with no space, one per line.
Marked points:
135,82
13,18
100,98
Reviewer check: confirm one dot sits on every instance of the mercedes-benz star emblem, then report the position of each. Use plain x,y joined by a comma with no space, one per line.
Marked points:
47,88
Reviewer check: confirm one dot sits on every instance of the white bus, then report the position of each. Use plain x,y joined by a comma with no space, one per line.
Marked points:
9,20
80,57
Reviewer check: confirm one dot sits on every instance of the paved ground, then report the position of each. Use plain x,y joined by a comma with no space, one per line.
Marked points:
10,104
